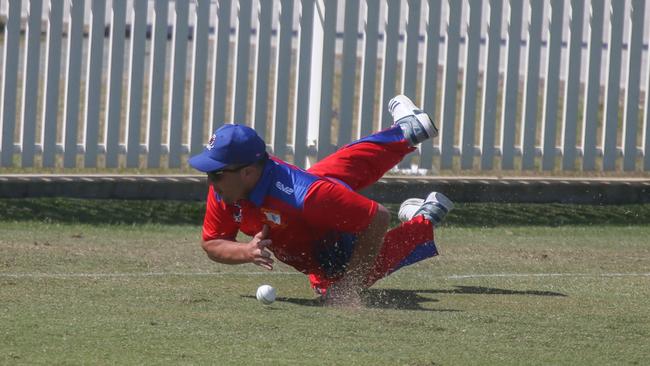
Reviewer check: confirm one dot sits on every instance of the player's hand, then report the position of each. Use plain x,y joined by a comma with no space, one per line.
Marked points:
260,255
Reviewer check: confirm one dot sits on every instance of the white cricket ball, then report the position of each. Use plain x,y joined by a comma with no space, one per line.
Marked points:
265,294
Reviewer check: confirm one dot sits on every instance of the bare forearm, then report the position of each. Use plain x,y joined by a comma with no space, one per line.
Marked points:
226,251
233,252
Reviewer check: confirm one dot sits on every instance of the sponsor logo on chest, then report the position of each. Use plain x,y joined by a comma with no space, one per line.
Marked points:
273,218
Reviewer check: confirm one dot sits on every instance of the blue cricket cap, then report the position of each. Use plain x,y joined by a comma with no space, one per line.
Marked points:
231,144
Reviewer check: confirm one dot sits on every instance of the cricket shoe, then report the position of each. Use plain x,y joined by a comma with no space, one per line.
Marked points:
416,125
434,208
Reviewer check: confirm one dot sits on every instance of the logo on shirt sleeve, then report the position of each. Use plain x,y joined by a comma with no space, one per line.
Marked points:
285,189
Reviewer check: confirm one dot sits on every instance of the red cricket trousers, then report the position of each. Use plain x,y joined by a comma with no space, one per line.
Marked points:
360,164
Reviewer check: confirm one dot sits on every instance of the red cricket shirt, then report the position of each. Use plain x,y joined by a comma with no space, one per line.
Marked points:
308,216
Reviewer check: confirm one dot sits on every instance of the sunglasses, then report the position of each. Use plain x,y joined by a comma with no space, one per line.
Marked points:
217,174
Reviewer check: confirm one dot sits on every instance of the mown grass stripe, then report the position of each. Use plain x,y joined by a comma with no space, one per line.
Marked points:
70,210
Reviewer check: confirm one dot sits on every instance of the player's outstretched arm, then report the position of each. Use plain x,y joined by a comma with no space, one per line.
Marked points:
233,252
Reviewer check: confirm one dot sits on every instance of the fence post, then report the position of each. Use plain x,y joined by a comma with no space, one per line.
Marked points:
316,72
630,119
199,72
115,75
262,67
511,86
529,123
53,77
410,63
135,87
94,82
430,85
220,66
73,83
30,88
388,77
10,75
304,105
646,125
470,85
549,131
592,88
367,118
326,74
178,68
241,62
282,79
572,90
450,85
349,72
157,82
491,85
613,86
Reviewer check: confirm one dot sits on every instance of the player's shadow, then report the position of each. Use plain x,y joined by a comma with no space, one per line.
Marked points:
413,299
493,291
380,299
416,299
400,300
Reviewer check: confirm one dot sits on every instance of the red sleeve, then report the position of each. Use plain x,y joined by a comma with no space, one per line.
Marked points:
332,206
218,222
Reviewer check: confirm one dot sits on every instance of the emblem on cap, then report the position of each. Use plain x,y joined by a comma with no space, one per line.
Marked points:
211,141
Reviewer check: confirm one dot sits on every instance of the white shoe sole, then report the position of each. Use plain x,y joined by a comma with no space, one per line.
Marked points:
409,207
401,107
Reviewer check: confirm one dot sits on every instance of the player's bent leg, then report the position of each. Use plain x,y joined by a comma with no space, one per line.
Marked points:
362,163
434,208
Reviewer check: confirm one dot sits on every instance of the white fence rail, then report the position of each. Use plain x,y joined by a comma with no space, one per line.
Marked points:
552,85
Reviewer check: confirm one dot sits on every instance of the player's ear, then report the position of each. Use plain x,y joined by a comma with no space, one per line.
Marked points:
249,172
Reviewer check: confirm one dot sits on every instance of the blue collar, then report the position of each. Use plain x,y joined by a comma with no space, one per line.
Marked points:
261,189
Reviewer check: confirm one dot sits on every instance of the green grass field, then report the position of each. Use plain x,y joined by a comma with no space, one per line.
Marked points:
85,293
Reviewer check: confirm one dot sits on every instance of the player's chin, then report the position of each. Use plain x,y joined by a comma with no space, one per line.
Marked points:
231,199
227,200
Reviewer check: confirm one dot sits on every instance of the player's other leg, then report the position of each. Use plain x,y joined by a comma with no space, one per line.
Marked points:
413,240
361,163
408,243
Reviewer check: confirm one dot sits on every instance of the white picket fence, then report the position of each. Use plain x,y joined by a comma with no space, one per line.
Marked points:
519,85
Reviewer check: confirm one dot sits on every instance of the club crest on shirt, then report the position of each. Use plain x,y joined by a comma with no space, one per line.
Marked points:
236,215
272,217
